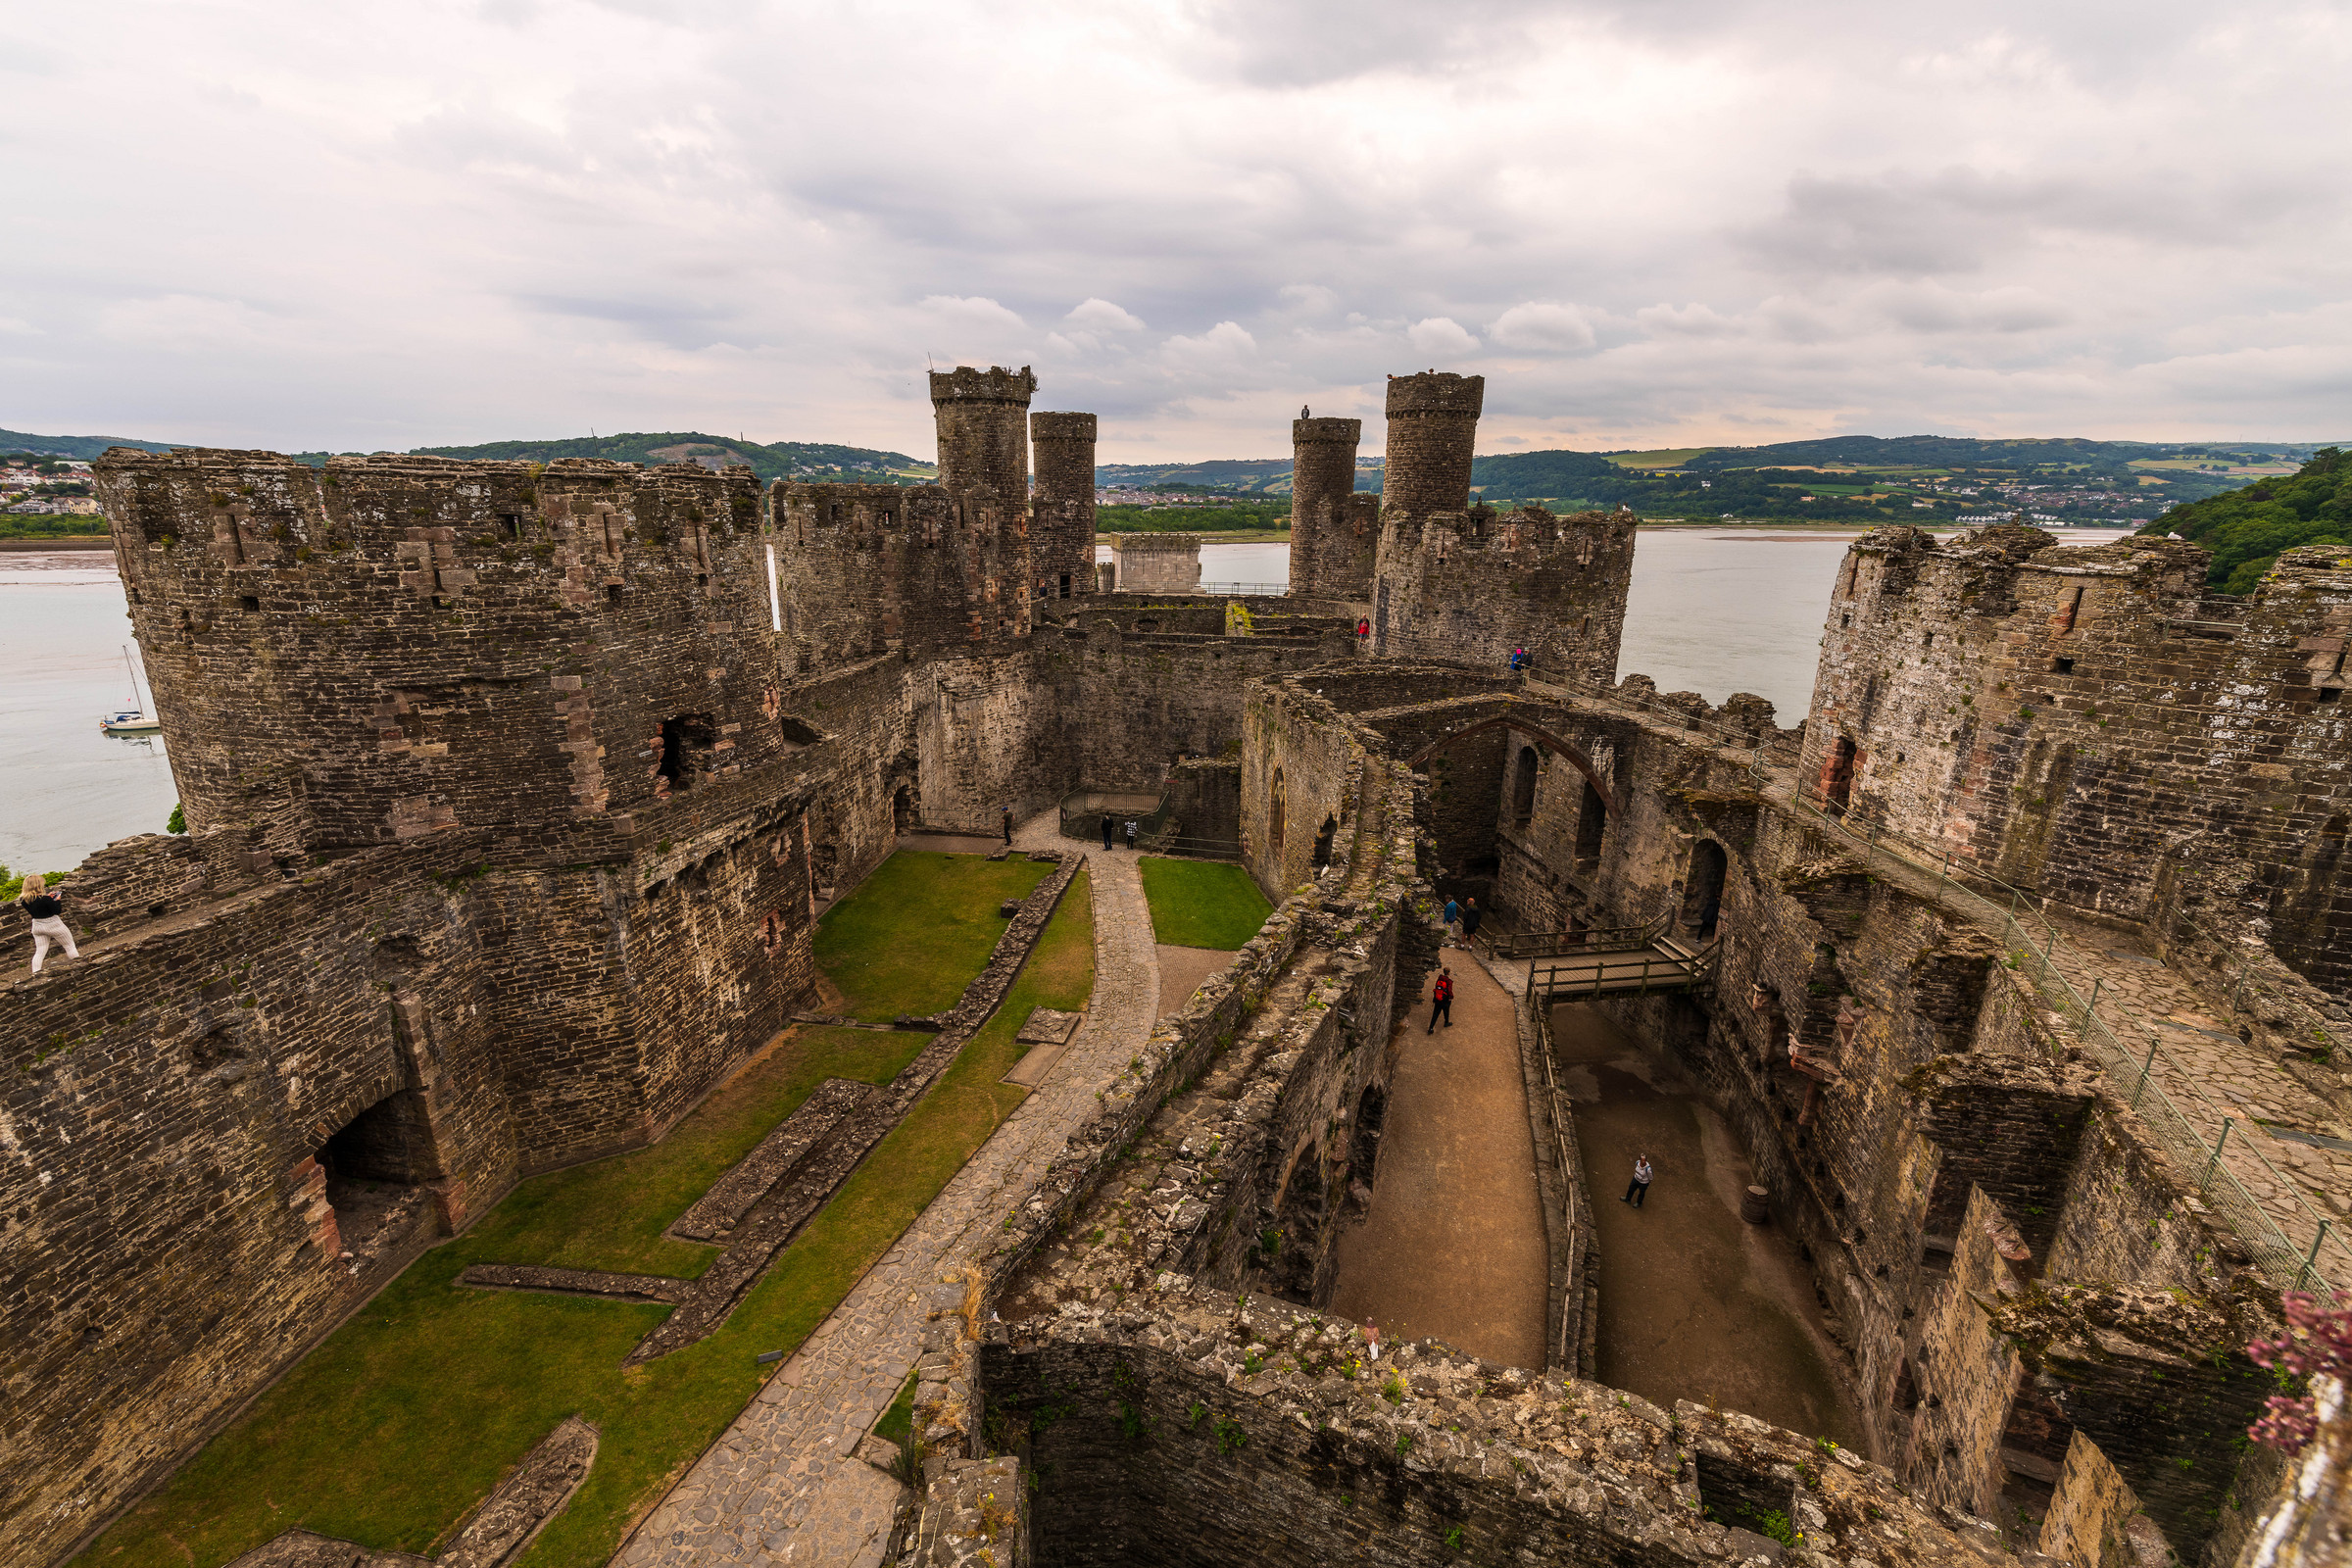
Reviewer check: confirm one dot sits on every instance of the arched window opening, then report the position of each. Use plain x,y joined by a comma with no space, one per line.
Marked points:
1523,787
1278,808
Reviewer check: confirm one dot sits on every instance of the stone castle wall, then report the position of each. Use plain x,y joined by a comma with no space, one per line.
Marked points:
1472,586
1157,562
2077,720
1335,532
1061,532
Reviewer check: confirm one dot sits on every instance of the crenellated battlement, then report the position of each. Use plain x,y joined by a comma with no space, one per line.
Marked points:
393,647
1442,392
970,384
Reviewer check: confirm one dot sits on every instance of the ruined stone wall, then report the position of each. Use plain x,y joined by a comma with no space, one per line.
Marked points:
2072,721
395,647
1135,701
1157,562
866,569
1298,769
1204,796
1061,530
1472,586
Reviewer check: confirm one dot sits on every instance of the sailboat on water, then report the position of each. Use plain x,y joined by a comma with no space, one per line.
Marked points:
135,719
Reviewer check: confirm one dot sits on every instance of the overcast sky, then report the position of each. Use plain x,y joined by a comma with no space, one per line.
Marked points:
1653,223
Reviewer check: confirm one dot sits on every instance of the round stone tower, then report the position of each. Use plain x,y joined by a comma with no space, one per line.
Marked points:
1432,427
983,419
1061,536
1322,479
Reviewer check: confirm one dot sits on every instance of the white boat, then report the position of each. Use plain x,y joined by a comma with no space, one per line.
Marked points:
135,719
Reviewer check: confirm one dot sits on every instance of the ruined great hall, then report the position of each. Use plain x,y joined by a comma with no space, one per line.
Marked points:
2019,965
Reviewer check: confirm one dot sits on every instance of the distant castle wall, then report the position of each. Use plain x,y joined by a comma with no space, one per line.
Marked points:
1157,562
1335,533
1061,532
1472,586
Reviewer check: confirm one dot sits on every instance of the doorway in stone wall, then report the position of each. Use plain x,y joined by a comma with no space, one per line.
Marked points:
903,814
1278,811
1702,889
377,1165
1591,822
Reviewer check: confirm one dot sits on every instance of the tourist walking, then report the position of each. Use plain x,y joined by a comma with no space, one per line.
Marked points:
1107,825
1454,922
1472,917
1130,834
48,913
1009,827
1440,999
1363,629
1639,1188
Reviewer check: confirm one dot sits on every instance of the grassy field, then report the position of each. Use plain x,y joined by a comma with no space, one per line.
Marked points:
1203,904
887,964
1664,458
407,1413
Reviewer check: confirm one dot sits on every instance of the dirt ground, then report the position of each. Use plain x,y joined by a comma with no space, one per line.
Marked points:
1181,971
1696,1303
1454,1247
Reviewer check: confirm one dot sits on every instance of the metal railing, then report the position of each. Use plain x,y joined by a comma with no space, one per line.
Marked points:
1571,1178
1249,589
2034,946
2286,1259
1552,944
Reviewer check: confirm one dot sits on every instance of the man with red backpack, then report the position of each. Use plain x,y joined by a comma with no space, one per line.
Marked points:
1441,1002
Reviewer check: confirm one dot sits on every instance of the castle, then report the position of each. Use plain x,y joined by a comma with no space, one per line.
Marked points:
514,790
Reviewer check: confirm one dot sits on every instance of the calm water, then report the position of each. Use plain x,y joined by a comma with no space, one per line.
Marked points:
65,788
1711,611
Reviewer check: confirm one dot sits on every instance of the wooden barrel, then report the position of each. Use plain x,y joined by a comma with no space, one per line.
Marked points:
1755,1207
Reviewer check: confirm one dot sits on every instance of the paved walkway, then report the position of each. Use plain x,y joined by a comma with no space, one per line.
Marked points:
2207,1072
780,1486
1454,1247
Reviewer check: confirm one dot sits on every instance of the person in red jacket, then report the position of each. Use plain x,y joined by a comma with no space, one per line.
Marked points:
1440,1004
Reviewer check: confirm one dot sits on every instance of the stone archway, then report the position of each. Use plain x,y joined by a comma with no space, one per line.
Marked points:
1535,733
1278,811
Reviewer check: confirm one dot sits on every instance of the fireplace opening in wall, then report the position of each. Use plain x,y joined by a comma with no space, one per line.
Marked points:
377,1165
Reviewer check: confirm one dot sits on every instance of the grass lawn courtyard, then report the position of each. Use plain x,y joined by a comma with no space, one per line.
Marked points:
1203,904
404,1417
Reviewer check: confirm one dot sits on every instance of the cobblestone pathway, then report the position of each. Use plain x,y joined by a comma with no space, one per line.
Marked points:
781,1484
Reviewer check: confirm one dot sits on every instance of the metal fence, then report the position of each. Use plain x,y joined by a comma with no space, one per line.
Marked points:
2319,1258
1248,590
2034,946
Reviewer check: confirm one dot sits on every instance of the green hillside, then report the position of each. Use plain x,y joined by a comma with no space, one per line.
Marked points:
2246,530
84,447
777,460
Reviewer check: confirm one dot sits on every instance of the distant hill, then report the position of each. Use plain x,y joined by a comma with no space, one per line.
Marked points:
84,447
777,459
2247,529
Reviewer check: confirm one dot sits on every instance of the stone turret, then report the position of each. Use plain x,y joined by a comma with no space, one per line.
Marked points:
1432,427
1334,532
983,419
1061,532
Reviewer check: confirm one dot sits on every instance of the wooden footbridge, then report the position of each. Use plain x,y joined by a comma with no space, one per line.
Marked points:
1614,961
